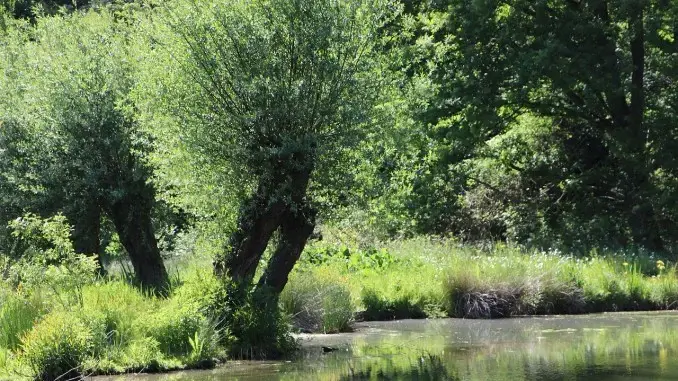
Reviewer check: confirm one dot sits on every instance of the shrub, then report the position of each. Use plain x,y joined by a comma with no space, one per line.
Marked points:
252,325
56,347
318,301
48,259
205,344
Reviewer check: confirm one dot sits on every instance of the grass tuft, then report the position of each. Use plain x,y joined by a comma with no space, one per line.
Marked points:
318,301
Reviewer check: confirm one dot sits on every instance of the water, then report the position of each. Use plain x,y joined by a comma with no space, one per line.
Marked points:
603,347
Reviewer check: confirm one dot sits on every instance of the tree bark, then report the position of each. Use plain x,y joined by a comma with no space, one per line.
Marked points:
132,219
259,218
278,203
295,230
87,232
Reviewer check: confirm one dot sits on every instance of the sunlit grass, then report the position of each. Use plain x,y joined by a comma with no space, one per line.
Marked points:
426,277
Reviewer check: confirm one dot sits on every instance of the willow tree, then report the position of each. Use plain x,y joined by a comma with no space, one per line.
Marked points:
66,82
270,92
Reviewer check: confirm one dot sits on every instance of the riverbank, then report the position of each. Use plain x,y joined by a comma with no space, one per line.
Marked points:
596,347
108,327
424,278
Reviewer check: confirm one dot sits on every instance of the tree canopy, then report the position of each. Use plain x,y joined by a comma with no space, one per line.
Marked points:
547,124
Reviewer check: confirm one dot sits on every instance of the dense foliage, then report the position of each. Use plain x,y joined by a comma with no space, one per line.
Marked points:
542,123
240,136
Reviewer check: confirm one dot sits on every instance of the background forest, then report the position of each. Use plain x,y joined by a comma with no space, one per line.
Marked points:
234,168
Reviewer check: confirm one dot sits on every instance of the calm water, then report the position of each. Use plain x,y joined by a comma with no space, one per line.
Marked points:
605,347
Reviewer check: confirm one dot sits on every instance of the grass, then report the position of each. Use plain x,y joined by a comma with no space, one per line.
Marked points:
319,301
113,327
430,278
18,313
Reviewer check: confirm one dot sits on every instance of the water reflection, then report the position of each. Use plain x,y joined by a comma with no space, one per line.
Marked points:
606,347
428,367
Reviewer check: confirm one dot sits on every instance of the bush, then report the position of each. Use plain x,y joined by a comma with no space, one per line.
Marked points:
205,344
47,259
252,325
56,347
318,301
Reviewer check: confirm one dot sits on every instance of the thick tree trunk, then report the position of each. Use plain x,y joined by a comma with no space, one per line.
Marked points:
87,232
259,219
278,200
295,230
132,219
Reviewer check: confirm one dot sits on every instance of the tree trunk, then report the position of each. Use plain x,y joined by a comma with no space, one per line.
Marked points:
87,232
295,229
132,219
645,229
259,218
642,217
277,201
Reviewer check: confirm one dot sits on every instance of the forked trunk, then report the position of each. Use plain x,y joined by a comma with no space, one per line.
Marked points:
295,229
278,203
258,220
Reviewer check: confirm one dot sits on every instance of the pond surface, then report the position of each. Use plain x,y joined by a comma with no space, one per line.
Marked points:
601,347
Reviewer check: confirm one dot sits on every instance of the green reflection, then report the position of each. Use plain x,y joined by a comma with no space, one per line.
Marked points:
595,347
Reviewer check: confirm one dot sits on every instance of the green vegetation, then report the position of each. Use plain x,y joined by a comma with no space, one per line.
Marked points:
490,159
108,326
429,278
319,300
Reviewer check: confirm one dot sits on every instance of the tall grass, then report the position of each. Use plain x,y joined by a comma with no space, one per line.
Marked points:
424,278
116,328
18,313
318,301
